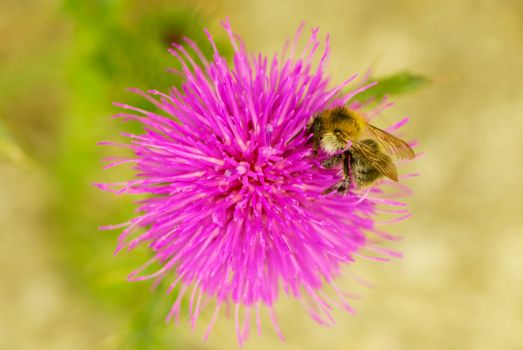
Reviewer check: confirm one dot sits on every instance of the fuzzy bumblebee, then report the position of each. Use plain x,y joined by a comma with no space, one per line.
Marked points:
335,128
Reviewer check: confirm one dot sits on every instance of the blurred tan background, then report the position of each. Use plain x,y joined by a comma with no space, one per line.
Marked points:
460,283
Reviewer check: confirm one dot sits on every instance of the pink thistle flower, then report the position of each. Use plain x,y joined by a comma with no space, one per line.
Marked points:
235,209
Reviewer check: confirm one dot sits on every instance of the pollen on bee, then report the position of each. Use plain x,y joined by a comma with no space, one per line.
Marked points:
331,144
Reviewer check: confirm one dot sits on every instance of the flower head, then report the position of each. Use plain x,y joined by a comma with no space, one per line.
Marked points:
236,210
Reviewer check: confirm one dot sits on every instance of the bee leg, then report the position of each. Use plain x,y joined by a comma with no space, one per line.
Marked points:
345,185
330,189
332,161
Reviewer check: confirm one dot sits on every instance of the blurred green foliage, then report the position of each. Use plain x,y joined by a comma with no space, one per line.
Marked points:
117,44
395,84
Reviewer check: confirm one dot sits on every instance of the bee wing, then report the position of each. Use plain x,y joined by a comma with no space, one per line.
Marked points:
393,145
379,160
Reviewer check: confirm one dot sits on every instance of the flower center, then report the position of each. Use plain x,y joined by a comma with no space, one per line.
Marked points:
242,168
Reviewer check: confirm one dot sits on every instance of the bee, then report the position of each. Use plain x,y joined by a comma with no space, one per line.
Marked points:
366,157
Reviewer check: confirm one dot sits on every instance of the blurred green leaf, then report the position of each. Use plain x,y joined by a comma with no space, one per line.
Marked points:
395,84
